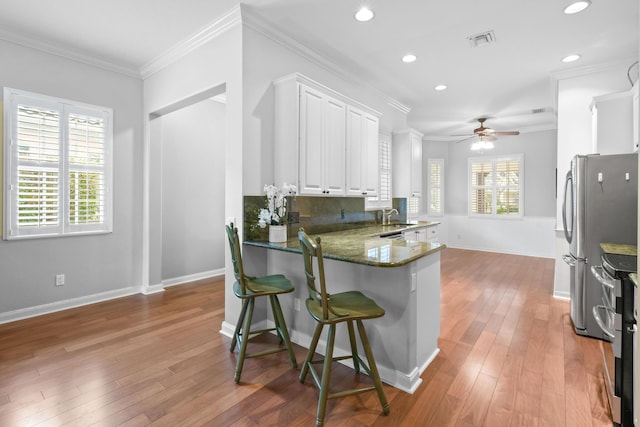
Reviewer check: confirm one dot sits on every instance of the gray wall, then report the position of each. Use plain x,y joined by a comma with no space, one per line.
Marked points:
539,150
103,265
193,190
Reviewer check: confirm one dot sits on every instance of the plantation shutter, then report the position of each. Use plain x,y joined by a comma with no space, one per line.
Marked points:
86,176
435,186
496,186
384,198
57,166
481,184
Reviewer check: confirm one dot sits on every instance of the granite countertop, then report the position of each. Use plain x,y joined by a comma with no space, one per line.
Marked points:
364,245
619,249
634,278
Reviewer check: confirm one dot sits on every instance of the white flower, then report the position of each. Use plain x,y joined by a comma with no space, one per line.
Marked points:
275,212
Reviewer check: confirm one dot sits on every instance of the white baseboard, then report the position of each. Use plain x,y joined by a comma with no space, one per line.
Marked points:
192,277
562,295
24,313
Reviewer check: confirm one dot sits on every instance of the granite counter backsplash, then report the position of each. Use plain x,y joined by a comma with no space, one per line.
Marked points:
318,215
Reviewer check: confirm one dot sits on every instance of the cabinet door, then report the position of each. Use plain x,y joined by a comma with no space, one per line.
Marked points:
334,144
371,167
311,141
416,166
362,153
356,151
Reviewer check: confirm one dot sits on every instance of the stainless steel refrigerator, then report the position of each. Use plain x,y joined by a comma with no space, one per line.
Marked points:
600,205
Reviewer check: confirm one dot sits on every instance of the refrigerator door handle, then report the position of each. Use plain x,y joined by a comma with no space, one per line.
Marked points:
568,234
569,260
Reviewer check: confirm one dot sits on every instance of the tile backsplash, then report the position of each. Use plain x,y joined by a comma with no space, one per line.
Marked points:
318,214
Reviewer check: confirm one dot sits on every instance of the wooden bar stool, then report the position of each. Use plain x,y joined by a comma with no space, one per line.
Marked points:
330,310
248,288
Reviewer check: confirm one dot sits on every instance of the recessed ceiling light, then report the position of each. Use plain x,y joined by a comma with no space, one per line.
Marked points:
365,14
571,58
440,87
409,58
577,6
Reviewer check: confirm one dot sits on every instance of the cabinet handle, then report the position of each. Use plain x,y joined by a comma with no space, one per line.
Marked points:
364,193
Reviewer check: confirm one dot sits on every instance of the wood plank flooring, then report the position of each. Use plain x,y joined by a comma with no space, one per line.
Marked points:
508,357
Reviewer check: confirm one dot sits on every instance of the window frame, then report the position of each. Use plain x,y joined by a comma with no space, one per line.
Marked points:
519,158
63,166
430,186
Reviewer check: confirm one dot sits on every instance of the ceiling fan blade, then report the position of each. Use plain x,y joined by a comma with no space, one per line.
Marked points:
512,132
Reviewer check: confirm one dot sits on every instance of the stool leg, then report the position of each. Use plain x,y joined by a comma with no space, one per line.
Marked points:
311,352
326,373
373,367
354,347
246,325
281,328
243,311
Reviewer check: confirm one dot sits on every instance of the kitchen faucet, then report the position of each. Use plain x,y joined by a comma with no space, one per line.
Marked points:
388,216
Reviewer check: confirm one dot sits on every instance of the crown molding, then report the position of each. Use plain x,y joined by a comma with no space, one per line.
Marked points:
252,20
592,69
68,53
191,43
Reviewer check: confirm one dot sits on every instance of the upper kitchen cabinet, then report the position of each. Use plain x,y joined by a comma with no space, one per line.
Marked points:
321,144
362,153
407,163
612,123
325,143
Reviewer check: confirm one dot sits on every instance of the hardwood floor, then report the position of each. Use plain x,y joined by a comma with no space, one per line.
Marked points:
508,357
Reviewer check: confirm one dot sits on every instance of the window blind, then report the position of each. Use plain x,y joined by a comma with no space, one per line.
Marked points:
57,165
495,186
435,187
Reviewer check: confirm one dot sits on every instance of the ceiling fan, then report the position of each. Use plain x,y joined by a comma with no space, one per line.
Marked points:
485,133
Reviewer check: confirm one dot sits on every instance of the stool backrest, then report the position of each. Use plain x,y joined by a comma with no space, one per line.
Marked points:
236,255
311,249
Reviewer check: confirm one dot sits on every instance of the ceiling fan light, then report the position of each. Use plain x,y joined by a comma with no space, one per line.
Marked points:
364,14
577,6
488,145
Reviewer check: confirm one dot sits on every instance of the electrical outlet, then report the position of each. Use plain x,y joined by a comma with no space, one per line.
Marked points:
296,304
294,217
59,279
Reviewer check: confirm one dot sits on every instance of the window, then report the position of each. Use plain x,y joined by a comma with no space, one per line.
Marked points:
57,166
435,187
383,199
496,186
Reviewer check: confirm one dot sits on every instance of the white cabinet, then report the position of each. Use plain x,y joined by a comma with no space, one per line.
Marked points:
316,130
422,234
322,144
407,163
362,153
612,124
415,234
635,100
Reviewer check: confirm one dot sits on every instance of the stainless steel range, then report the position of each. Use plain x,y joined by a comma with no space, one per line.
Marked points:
615,316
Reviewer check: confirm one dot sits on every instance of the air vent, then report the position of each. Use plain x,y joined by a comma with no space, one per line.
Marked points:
482,38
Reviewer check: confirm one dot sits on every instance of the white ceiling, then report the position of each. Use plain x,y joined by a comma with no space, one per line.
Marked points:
504,80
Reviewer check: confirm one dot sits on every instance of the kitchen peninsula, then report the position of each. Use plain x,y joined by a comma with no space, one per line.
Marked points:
402,276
